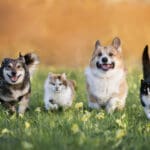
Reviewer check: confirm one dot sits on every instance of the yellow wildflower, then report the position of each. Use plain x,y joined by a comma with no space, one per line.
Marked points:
100,116
27,125
86,116
38,109
120,134
79,105
75,128
27,145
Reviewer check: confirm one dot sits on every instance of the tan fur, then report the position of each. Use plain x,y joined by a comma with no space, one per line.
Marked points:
113,81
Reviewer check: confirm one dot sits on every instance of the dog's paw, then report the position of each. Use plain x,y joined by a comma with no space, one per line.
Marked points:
94,105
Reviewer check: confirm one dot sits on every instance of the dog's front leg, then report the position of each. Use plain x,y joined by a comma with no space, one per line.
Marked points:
92,102
112,105
23,104
115,103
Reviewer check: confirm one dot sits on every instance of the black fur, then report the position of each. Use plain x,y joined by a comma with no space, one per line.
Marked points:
145,84
146,64
144,90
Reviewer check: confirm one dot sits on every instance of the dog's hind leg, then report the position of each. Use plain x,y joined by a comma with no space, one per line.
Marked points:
23,104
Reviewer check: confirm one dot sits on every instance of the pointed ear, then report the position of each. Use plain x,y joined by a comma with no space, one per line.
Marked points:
142,81
50,74
63,75
97,44
116,43
20,55
5,60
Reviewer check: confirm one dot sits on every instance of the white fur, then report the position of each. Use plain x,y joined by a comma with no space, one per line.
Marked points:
62,98
103,85
146,100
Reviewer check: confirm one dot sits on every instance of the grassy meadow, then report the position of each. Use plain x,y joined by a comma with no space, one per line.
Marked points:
78,127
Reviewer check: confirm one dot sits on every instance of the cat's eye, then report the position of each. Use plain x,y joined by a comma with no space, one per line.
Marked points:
52,83
99,54
111,54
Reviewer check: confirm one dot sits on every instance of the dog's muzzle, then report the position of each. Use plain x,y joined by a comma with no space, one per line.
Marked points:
13,78
105,66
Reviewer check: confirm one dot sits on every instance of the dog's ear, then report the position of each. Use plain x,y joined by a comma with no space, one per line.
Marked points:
31,60
116,43
21,57
5,60
97,44
142,81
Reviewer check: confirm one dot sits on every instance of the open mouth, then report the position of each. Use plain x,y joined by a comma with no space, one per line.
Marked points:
13,78
105,67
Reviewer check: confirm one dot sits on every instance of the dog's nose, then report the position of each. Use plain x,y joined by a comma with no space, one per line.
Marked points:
104,59
14,73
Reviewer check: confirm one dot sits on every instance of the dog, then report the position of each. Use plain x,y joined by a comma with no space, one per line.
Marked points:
15,86
145,84
106,77
59,91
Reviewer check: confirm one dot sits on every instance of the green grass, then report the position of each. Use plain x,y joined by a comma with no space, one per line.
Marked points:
76,128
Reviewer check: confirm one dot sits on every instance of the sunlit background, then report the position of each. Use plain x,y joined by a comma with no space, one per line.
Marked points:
63,33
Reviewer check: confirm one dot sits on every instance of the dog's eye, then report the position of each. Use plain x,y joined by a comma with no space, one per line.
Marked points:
99,54
60,84
9,66
18,66
111,54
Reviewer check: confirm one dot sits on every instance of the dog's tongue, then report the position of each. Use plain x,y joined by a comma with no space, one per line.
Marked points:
14,78
106,66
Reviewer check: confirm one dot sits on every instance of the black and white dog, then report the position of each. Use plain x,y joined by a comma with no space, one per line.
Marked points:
15,86
145,84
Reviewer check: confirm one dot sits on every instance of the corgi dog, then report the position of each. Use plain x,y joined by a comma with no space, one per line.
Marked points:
59,91
145,84
15,86
106,77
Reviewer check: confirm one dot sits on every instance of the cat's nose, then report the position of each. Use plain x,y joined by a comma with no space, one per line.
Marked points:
57,88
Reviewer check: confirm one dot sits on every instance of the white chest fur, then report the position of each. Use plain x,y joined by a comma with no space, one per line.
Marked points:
104,85
17,93
146,99
62,98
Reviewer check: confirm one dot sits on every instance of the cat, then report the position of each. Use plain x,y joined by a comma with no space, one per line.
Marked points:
59,91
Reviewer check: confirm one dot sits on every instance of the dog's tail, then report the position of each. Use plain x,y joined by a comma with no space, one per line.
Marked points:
31,60
146,64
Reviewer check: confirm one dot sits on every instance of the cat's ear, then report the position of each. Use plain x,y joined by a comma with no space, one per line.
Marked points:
50,75
63,75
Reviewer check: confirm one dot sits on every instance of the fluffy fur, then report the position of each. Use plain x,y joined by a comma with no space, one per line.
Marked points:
15,84
106,77
59,91
145,84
